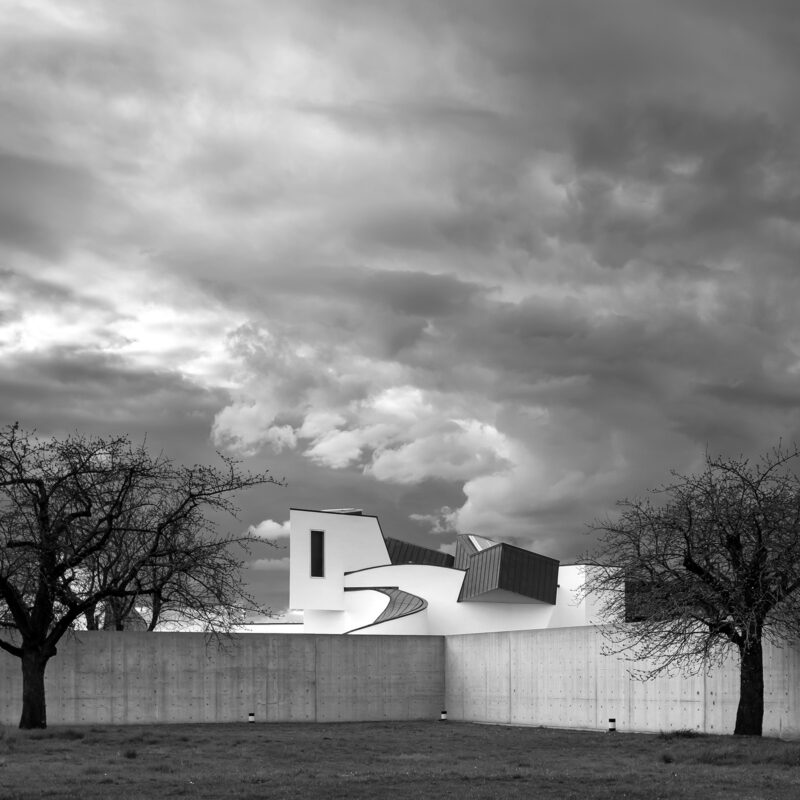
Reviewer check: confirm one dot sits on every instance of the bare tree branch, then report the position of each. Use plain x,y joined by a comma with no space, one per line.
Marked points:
93,527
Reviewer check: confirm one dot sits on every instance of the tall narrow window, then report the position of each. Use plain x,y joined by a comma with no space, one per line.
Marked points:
317,554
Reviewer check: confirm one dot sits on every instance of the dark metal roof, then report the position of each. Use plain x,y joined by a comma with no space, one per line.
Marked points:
510,569
465,547
407,553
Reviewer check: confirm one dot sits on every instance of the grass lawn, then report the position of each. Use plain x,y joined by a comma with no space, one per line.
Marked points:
378,760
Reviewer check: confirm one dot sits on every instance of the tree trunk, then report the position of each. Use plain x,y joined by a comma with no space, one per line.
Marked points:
750,714
92,623
34,707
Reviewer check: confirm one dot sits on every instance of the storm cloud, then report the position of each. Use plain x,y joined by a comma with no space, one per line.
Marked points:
476,267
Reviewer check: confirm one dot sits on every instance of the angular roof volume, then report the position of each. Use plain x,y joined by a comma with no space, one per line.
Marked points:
503,573
407,553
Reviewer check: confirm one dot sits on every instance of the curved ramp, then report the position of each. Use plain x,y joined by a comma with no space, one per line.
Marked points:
401,604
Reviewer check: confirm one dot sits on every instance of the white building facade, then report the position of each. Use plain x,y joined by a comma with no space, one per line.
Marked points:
348,578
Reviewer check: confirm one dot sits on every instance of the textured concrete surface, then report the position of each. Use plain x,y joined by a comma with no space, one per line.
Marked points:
554,678
560,678
127,677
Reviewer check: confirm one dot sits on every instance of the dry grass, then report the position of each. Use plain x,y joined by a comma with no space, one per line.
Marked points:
389,760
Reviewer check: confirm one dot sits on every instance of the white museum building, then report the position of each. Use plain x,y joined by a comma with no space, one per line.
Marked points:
347,577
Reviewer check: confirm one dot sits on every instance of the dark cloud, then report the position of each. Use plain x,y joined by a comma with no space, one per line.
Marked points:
409,118
697,182
416,294
469,266
43,204
65,388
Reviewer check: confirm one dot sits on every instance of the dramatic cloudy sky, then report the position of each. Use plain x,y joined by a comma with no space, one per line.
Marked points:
473,266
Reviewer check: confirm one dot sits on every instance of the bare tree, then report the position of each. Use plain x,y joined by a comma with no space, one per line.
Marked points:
715,566
98,525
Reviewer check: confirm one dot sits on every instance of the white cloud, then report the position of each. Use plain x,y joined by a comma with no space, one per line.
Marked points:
338,448
318,424
281,437
457,450
405,403
269,529
243,427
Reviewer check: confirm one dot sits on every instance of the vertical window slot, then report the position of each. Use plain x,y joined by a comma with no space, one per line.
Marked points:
317,554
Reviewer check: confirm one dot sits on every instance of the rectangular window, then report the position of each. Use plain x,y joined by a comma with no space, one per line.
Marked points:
317,554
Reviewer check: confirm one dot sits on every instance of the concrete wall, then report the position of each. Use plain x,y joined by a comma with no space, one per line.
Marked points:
556,677
560,678
119,678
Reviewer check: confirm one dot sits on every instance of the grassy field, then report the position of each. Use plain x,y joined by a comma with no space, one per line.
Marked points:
389,760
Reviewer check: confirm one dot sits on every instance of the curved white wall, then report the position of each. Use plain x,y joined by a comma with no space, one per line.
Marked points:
361,608
445,615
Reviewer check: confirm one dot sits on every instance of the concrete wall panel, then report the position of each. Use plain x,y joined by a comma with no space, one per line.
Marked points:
562,678
544,685
481,690
367,678
782,693
291,679
130,677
